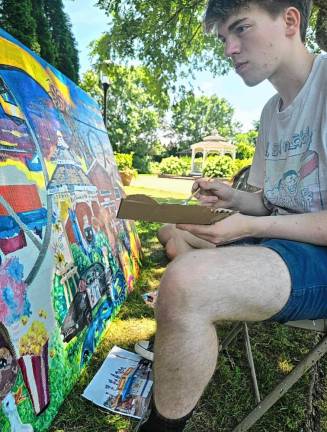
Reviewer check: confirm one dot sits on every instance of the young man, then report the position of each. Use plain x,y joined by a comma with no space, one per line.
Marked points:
283,277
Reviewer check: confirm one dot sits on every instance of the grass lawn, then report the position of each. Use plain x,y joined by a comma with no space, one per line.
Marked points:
276,349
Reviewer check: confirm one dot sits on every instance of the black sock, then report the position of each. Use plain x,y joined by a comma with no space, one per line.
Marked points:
157,423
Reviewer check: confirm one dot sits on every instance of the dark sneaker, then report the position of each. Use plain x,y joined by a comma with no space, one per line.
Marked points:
145,349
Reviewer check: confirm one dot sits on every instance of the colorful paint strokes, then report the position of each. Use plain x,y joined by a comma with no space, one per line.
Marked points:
66,262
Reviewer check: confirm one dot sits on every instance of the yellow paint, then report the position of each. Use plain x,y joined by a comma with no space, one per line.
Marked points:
16,133
50,168
64,207
34,177
11,110
8,144
16,57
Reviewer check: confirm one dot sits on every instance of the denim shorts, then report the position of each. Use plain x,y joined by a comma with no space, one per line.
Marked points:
307,265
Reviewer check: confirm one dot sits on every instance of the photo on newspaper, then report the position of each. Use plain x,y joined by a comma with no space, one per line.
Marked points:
123,384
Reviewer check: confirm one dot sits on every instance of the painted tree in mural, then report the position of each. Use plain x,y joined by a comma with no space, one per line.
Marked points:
43,26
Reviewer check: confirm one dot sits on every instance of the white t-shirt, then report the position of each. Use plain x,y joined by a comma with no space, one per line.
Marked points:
290,162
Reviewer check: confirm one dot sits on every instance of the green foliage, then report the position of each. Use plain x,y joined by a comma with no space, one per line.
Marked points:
154,167
238,164
47,48
17,19
166,37
194,117
219,166
244,151
135,111
124,163
245,144
175,166
124,160
80,259
67,54
44,27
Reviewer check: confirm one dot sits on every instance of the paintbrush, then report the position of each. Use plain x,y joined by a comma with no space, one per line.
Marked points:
185,202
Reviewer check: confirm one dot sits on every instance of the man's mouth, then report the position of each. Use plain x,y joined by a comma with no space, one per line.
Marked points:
240,66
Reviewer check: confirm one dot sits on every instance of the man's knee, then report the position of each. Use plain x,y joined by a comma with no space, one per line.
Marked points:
178,293
165,233
171,249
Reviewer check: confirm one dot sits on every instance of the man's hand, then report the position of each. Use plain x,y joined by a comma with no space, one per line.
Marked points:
232,228
215,193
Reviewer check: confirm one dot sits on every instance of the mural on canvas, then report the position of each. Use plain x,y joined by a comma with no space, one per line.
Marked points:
66,262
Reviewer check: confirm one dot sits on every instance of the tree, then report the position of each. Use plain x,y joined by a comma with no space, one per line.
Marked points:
16,18
66,48
167,37
43,26
47,50
134,111
194,117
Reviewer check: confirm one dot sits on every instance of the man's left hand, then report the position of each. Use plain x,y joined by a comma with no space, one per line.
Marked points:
232,228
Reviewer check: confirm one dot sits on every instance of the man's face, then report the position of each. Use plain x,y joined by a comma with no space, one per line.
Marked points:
255,42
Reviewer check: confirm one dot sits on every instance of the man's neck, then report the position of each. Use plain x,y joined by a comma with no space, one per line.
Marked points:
291,77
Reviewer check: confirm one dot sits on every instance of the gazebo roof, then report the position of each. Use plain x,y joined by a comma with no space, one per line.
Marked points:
214,141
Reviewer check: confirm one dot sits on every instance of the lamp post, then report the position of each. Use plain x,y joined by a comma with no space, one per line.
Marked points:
105,86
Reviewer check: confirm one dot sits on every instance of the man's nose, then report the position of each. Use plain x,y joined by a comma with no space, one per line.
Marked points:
232,46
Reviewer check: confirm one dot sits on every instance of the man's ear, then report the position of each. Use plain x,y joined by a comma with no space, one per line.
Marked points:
292,18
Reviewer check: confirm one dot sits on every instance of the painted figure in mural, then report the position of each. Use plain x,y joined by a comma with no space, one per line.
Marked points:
8,374
278,235
10,409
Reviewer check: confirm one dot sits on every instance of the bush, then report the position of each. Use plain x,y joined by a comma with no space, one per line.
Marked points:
124,160
154,168
224,166
124,163
219,166
240,163
244,150
174,166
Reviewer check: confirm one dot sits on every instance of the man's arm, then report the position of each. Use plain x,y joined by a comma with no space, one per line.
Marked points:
307,227
217,194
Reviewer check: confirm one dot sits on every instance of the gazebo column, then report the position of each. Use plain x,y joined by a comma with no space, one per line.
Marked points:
193,159
204,156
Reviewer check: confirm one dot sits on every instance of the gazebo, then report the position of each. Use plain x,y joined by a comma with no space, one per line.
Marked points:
211,144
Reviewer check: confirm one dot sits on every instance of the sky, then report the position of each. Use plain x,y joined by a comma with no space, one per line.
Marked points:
89,22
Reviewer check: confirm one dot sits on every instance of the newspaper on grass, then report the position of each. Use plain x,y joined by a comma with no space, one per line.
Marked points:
123,384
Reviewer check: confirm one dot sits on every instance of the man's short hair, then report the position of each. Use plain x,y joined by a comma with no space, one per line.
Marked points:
221,10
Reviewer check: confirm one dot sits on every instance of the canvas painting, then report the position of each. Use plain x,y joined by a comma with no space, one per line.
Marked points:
66,262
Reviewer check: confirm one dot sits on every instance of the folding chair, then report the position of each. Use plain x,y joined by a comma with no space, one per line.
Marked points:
311,359
307,362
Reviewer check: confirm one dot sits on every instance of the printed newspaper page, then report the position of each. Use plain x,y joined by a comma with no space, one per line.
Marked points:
123,384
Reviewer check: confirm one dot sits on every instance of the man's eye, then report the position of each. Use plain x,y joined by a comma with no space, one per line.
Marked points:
241,29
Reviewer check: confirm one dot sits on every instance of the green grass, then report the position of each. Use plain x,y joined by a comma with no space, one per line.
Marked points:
228,397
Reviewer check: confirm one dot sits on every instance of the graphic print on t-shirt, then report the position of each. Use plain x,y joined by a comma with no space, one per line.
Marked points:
292,176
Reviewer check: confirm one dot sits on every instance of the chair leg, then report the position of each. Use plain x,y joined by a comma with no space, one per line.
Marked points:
231,336
310,359
251,363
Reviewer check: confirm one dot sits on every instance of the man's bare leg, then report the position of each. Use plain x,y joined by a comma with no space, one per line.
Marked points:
177,242
198,289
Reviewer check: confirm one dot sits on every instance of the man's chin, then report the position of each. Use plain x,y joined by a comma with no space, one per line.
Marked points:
251,81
